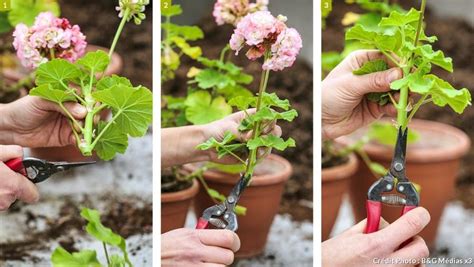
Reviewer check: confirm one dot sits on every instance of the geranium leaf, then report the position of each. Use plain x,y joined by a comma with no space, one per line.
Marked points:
399,19
371,67
270,141
110,81
444,94
132,107
112,141
173,10
192,52
83,258
25,11
243,102
386,134
191,33
45,91
209,78
56,72
272,100
436,57
202,109
95,61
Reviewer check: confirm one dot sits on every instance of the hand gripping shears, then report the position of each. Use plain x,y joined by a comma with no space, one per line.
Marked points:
38,170
394,179
222,216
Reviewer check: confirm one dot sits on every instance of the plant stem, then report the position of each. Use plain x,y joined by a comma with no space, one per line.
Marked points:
417,106
73,120
106,253
119,31
367,161
391,58
252,161
224,50
105,129
420,22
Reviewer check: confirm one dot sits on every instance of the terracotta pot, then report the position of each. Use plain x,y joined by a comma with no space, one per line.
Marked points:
335,182
71,153
175,207
261,198
432,162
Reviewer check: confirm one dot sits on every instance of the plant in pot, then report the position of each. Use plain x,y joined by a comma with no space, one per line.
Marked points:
14,78
270,38
210,86
432,161
83,81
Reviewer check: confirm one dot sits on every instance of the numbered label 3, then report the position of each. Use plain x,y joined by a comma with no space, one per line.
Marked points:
326,5
5,5
165,4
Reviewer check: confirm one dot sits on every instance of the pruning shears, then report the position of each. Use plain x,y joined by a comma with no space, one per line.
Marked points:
222,215
38,170
395,178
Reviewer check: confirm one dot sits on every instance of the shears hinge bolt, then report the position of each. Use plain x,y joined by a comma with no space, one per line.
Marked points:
389,187
231,199
401,188
398,167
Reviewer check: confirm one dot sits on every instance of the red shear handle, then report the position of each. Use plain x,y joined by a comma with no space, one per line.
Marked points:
374,211
16,165
407,209
202,224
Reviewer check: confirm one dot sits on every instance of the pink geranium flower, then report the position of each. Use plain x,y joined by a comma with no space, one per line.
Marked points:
49,37
262,32
232,11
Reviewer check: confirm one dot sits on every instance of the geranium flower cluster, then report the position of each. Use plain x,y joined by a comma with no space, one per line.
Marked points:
266,34
232,11
50,37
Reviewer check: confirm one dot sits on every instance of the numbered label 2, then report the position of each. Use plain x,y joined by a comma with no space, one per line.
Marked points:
165,4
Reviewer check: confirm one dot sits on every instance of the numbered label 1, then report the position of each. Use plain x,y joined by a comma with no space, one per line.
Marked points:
5,5
165,4
326,5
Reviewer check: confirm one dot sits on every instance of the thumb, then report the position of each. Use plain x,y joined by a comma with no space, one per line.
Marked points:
405,227
375,82
76,110
26,191
10,152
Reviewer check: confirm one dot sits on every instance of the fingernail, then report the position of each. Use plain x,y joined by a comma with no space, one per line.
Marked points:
394,75
80,110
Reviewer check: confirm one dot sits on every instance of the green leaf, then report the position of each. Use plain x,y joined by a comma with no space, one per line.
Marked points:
192,52
214,63
385,133
416,82
243,102
399,19
45,91
272,100
117,261
5,25
371,67
378,168
436,57
329,60
174,103
444,94
228,168
191,33
202,109
25,11
112,141
55,72
230,92
173,10
84,258
209,78
132,107
110,81
380,98
95,61
388,41
242,78
270,141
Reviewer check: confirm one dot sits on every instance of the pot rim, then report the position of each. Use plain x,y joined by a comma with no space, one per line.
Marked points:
181,195
258,180
422,154
340,172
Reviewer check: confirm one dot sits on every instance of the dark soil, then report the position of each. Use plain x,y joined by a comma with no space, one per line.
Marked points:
295,84
456,39
125,216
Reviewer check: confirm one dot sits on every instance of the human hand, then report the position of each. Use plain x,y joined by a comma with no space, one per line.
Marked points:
34,122
217,129
13,185
191,247
354,248
344,105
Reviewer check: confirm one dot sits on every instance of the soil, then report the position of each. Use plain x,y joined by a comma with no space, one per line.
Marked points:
169,184
295,84
125,216
456,39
